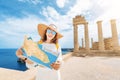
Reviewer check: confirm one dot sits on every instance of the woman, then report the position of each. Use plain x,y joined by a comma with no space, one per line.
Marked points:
49,40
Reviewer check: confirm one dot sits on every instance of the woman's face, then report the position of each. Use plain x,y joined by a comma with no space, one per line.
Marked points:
50,34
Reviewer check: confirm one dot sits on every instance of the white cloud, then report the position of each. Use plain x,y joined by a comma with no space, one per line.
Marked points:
111,9
67,40
79,7
13,30
28,24
61,3
52,16
51,12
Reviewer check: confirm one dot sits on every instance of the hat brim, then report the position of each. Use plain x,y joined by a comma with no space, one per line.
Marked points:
42,28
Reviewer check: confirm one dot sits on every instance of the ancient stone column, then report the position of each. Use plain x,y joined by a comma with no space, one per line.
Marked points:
82,43
114,35
76,46
91,42
100,36
86,37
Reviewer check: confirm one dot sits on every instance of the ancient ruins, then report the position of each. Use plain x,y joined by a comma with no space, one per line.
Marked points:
104,46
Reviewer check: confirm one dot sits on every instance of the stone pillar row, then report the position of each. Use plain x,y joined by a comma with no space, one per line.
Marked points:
100,36
115,41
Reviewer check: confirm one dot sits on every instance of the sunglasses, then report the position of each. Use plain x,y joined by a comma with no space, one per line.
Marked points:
51,31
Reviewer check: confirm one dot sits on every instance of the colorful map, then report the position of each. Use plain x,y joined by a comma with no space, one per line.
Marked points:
34,52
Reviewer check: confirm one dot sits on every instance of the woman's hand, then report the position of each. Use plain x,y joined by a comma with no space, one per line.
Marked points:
56,65
19,54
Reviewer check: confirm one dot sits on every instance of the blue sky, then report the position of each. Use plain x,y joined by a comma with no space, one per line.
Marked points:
21,17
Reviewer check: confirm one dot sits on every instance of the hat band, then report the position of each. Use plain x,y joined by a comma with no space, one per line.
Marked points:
52,25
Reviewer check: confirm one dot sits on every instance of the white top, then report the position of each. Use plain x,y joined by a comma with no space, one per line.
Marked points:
45,73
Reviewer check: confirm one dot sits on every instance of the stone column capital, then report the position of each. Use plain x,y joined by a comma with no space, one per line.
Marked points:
86,23
99,22
113,21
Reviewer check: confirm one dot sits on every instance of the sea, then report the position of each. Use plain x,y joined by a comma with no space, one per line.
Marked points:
8,59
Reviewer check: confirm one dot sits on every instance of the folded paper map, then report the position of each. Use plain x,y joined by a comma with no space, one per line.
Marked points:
35,52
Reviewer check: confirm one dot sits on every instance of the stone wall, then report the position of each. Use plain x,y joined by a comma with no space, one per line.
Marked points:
108,44
95,45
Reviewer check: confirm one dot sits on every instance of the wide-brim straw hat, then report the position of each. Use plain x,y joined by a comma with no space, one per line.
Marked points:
42,29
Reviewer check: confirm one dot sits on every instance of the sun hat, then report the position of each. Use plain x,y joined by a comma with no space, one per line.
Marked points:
42,28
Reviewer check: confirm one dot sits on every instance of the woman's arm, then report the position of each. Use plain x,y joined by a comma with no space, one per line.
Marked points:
60,55
19,54
59,61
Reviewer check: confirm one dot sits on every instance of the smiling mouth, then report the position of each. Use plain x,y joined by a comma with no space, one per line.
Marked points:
50,36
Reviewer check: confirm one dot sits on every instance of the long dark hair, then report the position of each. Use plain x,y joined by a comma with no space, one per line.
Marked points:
54,40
